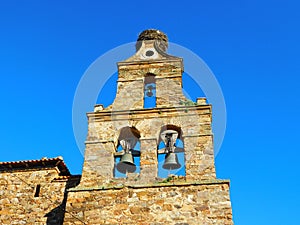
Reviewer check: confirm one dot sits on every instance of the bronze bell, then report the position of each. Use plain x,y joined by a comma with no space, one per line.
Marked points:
149,90
171,161
126,164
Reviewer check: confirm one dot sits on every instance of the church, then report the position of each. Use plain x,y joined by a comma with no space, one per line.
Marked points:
149,157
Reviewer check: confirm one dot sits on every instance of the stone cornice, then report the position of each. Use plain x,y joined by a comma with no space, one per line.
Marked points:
152,185
147,62
186,109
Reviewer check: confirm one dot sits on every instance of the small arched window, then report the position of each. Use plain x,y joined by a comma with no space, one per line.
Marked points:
149,91
170,152
127,156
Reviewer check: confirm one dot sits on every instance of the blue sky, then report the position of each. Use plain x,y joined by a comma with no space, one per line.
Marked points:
252,47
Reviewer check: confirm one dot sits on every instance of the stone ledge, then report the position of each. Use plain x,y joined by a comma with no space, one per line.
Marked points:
159,61
159,110
99,141
142,79
153,185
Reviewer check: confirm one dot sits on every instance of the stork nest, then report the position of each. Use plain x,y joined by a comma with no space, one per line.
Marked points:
153,34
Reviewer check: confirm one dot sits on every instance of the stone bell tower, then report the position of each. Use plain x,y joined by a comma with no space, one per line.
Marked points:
149,156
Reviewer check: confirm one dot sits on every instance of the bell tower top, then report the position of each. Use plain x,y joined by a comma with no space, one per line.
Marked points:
150,78
151,46
152,34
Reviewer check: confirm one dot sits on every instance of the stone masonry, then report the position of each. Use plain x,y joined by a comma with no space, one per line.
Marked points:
143,197
33,191
127,146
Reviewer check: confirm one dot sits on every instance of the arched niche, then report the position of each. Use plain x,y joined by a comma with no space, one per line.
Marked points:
170,151
127,152
149,91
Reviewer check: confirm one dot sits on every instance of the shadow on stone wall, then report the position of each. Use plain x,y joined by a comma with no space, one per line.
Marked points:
56,216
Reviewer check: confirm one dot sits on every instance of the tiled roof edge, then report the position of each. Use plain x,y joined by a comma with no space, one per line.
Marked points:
37,164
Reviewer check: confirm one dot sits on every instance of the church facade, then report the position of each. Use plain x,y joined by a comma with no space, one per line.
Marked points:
149,157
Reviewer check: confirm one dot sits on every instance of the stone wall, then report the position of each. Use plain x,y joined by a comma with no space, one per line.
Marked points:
131,76
18,204
104,129
173,202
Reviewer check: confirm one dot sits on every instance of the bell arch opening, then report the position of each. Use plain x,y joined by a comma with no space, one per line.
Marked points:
170,152
149,91
127,155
